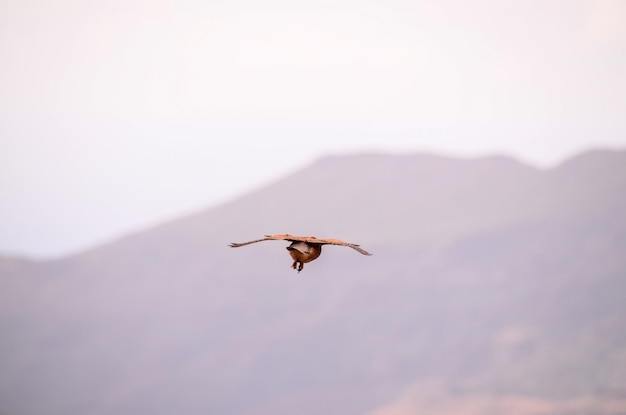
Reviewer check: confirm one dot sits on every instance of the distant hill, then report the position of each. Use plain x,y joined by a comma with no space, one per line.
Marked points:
494,287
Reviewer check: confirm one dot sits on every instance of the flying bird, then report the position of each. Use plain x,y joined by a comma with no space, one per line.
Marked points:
303,249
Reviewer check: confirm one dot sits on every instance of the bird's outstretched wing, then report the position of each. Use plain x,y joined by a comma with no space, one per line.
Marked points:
279,237
331,241
308,239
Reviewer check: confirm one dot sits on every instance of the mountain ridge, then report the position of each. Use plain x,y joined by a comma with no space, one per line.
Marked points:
327,161
343,183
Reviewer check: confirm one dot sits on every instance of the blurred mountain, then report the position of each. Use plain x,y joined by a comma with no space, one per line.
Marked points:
494,287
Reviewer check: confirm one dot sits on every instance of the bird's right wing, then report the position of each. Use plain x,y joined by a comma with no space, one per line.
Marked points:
339,242
332,241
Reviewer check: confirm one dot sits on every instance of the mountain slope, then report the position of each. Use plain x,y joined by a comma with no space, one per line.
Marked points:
488,278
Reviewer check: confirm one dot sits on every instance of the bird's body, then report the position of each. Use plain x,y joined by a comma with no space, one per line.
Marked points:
303,249
303,252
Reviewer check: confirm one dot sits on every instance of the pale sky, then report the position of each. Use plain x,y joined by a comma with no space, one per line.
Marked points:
118,115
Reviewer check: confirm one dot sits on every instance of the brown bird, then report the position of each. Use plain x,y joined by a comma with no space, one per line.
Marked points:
303,249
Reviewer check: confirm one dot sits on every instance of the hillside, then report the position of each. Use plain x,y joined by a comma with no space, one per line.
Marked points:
492,285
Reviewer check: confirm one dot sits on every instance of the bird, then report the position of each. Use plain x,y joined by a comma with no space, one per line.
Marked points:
303,249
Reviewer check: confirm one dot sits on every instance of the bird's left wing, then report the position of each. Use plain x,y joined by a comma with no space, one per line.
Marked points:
279,237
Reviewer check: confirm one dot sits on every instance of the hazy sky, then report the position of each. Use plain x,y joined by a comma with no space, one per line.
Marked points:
116,115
